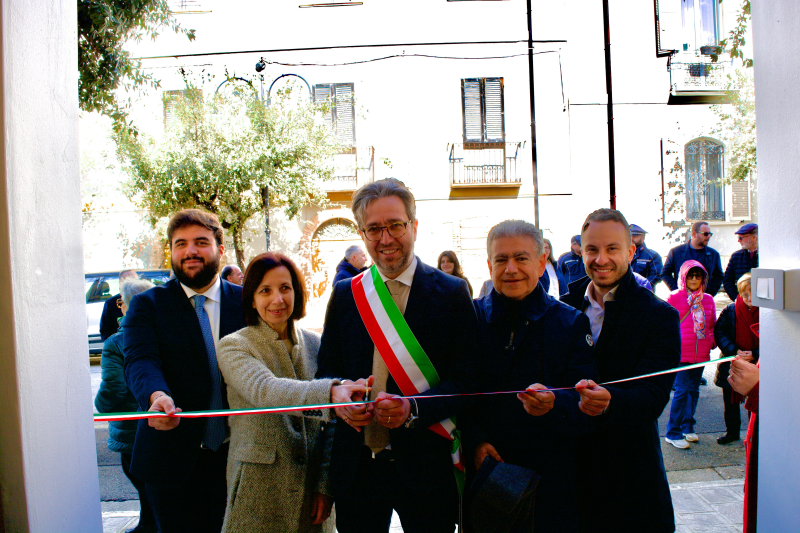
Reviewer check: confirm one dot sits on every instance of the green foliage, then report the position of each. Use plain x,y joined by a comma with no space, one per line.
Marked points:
224,150
104,27
737,126
736,39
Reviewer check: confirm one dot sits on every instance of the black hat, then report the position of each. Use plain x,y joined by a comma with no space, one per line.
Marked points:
502,497
637,230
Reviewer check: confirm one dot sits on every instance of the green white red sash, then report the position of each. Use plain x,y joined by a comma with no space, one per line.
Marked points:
407,362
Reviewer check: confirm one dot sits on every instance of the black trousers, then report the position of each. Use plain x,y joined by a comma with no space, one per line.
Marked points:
195,504
733,414
146,518
368,509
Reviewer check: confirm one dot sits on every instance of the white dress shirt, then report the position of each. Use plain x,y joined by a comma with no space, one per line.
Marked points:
596,313
551,272
406,277
211,305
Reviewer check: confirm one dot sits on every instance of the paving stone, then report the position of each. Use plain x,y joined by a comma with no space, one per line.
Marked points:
710,519
731,472
685,501
717,495
733,512
693,476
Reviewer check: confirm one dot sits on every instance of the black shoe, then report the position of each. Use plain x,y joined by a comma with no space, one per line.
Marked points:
703,381
727,439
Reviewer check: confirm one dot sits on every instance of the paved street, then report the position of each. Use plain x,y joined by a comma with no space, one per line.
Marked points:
706,480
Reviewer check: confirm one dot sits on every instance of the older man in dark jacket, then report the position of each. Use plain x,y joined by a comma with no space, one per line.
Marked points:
635,333
352,265
741,261
529,341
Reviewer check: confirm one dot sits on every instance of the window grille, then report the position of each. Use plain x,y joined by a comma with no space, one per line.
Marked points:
705,164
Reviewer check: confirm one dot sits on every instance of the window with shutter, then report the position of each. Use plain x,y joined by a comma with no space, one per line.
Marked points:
740,200
341,117
704,170
170,99
482,105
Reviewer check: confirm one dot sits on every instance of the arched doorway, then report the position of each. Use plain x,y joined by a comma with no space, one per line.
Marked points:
328,245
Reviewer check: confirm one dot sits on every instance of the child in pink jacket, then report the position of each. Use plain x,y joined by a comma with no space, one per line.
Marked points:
698,315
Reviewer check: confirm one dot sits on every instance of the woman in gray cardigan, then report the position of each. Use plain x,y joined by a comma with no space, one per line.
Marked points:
277,464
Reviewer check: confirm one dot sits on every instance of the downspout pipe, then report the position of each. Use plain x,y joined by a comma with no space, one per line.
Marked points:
533,122
612,177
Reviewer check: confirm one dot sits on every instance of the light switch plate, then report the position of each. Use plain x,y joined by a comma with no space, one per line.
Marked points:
766,288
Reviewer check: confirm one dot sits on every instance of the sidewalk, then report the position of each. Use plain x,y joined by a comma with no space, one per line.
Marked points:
700,507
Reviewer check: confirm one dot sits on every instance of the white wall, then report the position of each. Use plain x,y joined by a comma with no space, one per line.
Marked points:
775,26
48,466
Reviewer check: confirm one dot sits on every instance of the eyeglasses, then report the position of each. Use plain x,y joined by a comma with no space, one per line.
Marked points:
691,275
395,229
705,233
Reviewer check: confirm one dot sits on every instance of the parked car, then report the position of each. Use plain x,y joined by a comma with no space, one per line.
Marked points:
100,287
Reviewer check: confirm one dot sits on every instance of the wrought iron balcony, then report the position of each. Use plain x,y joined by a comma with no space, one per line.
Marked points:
484,164
353,167
694,78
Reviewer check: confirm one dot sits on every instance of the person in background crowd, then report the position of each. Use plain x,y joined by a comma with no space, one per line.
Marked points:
396,462
698,249
486,288
170,340
744,377
278,464
355,259
232,274
741,261
634,333
734,336
113,396
645,262
557,285
109,319
550,346
698,315
448,263
570,264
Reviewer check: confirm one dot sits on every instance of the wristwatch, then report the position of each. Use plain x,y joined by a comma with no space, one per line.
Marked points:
413,418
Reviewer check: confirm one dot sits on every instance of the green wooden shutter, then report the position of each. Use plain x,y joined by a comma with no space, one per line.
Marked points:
322,94
494,130
345,114
471,105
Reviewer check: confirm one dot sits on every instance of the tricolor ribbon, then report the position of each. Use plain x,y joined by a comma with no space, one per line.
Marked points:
139,415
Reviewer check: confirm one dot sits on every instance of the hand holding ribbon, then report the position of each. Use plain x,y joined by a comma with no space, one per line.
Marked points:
537,399
161,401
357,416
392,410
594,398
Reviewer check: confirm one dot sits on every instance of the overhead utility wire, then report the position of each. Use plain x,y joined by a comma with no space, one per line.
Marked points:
271,62
346,46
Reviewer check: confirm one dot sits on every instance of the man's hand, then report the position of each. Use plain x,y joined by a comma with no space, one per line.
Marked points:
357,415
745,355
391,410
484,449
348,391
594,398
320,508
743,376
537,403
161,401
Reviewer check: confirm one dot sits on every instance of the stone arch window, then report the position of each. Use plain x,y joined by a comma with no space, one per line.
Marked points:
705,168
328,244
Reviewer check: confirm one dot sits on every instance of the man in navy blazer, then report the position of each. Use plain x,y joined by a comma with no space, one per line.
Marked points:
635,333
385,457
168,367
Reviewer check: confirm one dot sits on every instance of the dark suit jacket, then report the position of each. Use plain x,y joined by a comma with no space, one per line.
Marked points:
708,257
164,350
640,335
440,314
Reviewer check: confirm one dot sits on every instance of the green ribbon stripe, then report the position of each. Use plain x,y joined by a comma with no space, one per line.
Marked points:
406,336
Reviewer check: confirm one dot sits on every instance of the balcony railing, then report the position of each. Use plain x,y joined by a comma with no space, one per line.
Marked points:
352,168
694,72
484,164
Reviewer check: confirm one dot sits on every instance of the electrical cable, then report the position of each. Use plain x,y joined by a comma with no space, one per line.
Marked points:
270,62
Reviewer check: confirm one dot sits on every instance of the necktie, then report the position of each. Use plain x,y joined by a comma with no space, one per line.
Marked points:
214,434
376,436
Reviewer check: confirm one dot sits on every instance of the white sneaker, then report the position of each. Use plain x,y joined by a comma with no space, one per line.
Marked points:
678,443
691,437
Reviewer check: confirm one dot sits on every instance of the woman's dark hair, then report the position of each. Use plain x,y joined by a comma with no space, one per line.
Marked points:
451,255
256,270
550,256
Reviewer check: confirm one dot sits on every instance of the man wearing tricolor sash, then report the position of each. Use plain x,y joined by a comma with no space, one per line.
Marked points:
529,341
413,329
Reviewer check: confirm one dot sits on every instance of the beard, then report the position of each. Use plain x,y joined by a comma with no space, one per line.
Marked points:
200,279
393,268
609,282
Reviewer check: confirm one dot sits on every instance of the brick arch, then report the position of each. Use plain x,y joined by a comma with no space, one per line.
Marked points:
304,248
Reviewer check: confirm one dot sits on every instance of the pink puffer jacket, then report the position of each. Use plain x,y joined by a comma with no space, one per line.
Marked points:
693,350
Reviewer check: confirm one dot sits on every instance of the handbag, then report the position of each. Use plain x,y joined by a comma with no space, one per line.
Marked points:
502,497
